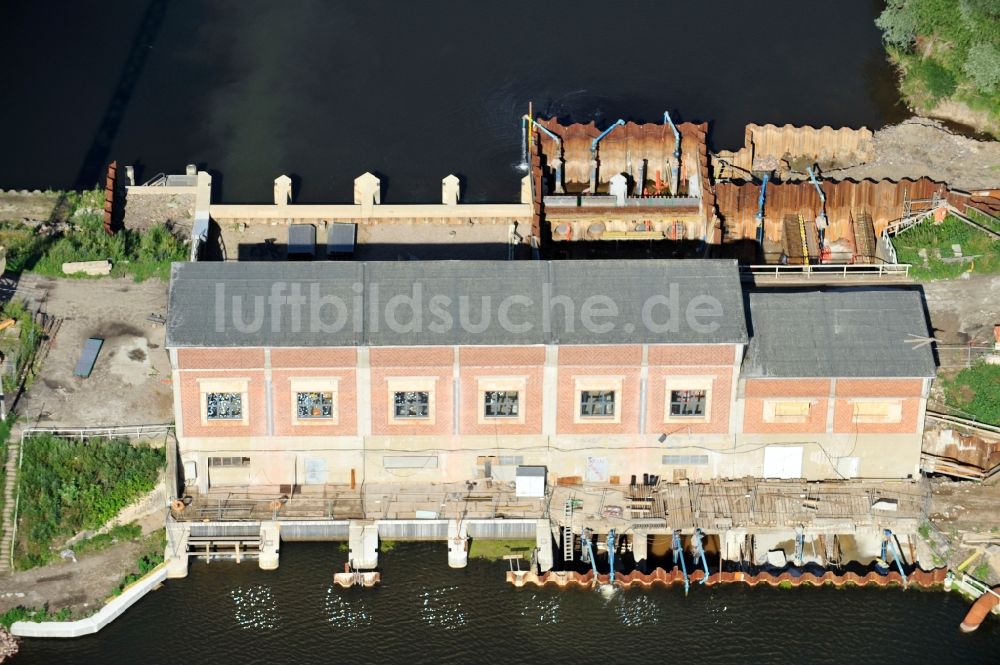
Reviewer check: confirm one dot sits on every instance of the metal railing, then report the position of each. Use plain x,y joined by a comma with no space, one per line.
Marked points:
843,271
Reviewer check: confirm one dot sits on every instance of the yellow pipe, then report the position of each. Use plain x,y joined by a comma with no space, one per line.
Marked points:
975,555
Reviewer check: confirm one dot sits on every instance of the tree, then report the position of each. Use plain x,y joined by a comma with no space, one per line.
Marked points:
983,67
898,22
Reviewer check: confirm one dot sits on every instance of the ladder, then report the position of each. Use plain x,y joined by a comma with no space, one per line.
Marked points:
567,534
805,245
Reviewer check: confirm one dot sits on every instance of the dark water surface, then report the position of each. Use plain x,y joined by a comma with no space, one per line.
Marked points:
324,90
425,612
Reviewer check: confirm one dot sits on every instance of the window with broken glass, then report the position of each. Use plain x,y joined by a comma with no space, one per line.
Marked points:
411,404
688,403
597,403
500,403
224,406
314,405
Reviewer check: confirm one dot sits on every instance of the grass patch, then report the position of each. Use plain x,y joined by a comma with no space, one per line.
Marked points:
21,613
140,255
924,530
982,571
496,550
937,240
153,557
18,343
976,391
67,486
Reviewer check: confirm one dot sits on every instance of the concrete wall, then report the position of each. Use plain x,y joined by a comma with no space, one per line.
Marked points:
454,444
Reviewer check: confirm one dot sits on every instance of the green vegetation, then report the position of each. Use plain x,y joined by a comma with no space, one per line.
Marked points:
976,391
20,348
21,613
156,543
924,530
946,49
67,486
141,255
495,550
937,240
117,534
785,584
5,426
982,571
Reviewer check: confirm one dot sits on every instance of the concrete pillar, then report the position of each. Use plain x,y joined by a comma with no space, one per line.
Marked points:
557,166
282,190
175,555
593,177
362,542
458,545
270,542
526,189
367,190
640,550
449,190
543,545
130,175
619,188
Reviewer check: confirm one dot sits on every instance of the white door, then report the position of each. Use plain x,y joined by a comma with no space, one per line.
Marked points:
783,462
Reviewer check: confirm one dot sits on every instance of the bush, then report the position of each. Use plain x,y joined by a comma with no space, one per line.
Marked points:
983,67
21,613
67,486
938,81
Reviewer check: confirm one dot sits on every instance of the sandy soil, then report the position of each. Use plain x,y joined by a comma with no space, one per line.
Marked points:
130,383
922,147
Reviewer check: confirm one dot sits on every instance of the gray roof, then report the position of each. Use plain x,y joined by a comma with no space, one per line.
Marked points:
852,332
367,303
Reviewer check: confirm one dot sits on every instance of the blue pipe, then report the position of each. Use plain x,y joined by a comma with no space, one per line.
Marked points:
895,553
675,169
593,145
760,209
679,554
585,537
611,556
699,552
800,545
821,216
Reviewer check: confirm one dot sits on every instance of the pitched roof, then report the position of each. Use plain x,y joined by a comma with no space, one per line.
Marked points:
457,302
853,332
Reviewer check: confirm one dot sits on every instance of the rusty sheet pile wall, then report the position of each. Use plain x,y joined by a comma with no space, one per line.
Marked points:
766,146
845,200
921,578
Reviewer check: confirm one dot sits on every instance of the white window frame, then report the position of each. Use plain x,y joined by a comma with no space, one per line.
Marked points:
771,411
893,416
594,384
672,383
416,384
487,384
315,385
240,386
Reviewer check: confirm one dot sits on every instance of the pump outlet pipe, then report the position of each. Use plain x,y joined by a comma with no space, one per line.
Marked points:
760,209
676,168
593,153
679,555
699,552
821,220
531,125
611,557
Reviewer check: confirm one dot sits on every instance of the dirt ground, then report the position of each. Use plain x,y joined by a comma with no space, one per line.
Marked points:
130,383
922,147
964,310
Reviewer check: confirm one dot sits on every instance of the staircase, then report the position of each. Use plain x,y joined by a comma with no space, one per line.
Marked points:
9,497
567,534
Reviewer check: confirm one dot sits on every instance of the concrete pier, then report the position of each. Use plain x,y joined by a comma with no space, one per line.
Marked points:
543,545
458,544
270,542
176,555
362,541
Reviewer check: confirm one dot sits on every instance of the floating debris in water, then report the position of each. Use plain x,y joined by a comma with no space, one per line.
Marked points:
255,607
637,610
542,610
438,608
345,613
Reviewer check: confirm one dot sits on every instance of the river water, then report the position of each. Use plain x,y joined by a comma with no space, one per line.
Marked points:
425,612
325,90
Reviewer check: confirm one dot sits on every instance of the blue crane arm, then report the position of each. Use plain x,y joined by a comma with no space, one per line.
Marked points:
679,555
815,182
617,123
611,555
677,134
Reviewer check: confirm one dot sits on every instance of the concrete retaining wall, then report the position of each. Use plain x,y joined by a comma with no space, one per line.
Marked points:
97,621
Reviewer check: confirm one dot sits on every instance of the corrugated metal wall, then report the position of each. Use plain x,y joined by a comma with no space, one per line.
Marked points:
314,530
